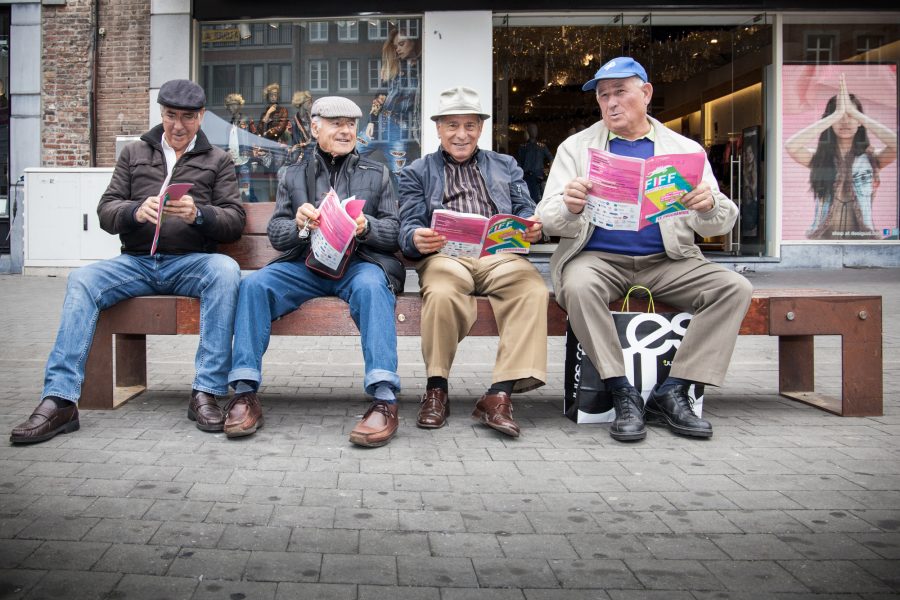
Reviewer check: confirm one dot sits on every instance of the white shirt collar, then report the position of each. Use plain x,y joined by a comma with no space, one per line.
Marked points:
169,152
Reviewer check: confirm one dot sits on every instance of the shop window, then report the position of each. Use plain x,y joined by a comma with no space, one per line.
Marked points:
261,78
868,47
348,31
318,31
318,75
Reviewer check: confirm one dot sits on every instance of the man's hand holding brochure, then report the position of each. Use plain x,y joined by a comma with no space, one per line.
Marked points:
629,194
334,226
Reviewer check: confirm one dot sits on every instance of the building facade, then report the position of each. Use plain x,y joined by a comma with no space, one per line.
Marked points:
759,84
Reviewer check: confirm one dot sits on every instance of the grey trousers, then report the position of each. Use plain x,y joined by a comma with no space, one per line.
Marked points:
717,297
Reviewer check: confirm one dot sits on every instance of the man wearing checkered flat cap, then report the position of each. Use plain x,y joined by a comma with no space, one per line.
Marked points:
593,266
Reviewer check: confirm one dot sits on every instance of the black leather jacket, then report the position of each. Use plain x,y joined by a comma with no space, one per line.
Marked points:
366,179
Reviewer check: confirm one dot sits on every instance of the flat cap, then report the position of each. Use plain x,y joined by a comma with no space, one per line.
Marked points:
334,107
182,94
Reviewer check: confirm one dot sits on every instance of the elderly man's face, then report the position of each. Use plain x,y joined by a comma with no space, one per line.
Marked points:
180,126
623,103
335,136
459,135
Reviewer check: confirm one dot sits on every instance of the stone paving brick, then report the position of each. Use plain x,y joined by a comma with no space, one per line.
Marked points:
58,528
763,577
253,537
536,546
283,566
77,585
464,544
363,569
183,533
70,556
123,531
391,499
500,522
764,521
176,510
303,516
462,501
324,541
604,574
383,592
243,590
346,498
242,513
209,564
14,552
319,591
16,583
828,546
393,543
834,576
886,545
218,492
150,587
419,520
673,574
515,573
137,558
433,571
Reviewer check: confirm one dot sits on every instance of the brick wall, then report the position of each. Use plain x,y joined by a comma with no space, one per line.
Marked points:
123,78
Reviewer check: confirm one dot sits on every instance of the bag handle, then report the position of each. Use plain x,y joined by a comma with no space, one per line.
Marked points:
650,307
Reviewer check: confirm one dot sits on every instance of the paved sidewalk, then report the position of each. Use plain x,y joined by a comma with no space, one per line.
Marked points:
785,501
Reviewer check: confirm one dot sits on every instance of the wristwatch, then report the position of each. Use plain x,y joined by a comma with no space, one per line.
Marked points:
198,220
365,231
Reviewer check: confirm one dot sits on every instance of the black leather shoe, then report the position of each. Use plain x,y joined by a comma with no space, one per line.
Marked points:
46,421
629,423
675,410
204,409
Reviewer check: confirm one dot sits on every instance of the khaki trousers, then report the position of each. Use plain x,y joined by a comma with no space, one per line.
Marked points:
717,297
517,294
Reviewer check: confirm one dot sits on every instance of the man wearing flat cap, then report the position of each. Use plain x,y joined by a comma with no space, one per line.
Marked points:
593,266
367,280
185,262
463,178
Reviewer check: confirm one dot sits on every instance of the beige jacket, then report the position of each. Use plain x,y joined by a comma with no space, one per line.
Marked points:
575,230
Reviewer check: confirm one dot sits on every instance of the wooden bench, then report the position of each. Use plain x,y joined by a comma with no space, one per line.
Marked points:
117,364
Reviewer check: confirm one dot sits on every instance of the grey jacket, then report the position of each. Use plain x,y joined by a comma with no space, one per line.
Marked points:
422,191
140,172
366,179
576,230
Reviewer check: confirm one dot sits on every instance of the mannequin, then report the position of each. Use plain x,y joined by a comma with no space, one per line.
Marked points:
301,135
238,147
274,121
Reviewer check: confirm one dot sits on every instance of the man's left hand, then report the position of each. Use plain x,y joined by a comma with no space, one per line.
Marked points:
535,232
700,198
183,208
361,223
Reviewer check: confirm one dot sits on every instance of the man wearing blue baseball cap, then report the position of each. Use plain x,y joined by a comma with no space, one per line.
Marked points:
593,266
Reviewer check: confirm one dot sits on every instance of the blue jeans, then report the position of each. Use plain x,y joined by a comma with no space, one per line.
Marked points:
281,287
214,278
394,144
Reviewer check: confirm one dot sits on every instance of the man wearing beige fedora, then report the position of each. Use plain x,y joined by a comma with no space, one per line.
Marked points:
463,178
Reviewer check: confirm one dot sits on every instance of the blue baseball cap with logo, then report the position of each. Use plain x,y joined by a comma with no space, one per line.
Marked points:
618,68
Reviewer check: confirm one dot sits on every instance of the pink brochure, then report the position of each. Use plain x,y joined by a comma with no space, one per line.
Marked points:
629,194
475,236
173,192
337,228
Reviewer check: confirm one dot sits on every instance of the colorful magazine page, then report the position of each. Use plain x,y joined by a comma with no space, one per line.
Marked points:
173,192
667,181
629,194
336,229
473,236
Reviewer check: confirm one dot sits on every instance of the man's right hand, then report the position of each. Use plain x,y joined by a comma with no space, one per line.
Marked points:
575,195
147,211
307,217
428,240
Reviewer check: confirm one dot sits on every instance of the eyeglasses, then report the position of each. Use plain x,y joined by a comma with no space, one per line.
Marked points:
185,117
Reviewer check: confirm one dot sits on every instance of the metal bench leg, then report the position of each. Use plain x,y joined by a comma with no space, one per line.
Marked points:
131,366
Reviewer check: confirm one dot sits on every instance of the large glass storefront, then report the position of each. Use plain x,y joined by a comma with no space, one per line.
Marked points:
710,78
4,130
261,79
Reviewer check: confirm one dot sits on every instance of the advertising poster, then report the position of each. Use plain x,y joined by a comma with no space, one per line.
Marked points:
839,148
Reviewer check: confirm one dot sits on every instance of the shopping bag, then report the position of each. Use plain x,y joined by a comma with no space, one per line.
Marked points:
649,342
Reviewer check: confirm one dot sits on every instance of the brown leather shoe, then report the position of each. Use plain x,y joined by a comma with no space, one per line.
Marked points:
206,412
377,426
243,415
495,411
434,410
45,422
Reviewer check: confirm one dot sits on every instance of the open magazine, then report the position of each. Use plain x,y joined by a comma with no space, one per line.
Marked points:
172,192
475,236
337,228
629,193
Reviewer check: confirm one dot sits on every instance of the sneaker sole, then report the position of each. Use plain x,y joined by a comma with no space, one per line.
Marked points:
67,428
192,416
662,420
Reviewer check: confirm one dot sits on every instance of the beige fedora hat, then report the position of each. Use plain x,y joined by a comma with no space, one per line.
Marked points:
459,100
